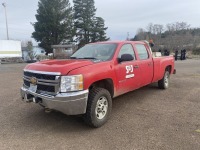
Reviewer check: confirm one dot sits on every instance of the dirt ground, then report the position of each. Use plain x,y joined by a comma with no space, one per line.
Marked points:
148,118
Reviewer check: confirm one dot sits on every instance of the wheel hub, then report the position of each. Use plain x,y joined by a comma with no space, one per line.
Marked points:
166,80
101,107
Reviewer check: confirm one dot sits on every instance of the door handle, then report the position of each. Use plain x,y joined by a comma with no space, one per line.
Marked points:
136,66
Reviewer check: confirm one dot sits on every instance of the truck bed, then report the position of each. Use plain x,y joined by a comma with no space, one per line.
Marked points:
160,63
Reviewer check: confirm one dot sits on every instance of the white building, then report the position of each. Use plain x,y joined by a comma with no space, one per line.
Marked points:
10,48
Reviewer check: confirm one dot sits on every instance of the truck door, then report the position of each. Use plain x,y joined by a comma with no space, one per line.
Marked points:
127,72
145,63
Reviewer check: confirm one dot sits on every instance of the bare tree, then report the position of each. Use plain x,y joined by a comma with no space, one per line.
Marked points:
31,53
150,28
141,34
178,35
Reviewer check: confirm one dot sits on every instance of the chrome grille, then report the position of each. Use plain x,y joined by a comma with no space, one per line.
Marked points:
46,83
39,76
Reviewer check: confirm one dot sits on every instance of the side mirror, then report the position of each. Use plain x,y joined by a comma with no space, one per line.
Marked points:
125,57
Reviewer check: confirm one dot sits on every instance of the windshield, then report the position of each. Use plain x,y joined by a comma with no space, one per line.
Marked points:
95,51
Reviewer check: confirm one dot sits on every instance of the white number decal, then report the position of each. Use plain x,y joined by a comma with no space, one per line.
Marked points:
129,69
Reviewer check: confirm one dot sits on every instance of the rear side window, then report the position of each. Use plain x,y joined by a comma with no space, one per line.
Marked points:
142,51
126,49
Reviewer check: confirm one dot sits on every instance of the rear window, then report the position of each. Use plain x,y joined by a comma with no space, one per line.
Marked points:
142,51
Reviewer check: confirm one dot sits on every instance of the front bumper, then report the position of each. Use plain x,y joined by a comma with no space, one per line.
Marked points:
73,103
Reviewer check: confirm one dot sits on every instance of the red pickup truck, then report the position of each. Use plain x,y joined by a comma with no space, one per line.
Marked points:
95,74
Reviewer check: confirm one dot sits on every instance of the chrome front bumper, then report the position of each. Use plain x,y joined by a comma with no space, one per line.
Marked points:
73,103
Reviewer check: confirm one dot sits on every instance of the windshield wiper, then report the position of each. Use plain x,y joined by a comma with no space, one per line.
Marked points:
83,58
73,58
88,58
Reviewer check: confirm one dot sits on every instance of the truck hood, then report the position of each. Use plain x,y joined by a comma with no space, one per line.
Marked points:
61,66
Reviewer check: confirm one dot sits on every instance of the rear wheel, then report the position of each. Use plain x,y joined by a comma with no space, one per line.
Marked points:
164,82
98,108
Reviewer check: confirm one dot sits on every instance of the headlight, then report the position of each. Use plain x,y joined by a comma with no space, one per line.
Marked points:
71,83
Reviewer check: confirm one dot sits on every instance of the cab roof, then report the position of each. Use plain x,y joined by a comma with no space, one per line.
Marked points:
121,42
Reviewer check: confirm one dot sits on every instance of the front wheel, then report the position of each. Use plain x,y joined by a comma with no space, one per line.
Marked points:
164,82
98,107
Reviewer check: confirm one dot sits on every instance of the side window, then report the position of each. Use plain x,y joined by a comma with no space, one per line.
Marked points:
142,51
126,49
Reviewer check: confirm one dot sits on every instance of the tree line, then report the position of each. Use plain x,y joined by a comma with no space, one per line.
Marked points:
59,22
172,36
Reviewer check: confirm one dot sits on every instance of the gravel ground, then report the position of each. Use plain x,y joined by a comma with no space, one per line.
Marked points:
148,118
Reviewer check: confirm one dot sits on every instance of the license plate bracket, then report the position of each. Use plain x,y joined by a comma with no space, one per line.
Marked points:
33,88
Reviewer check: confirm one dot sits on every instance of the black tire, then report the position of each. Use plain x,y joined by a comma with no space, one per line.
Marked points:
164,82
97,95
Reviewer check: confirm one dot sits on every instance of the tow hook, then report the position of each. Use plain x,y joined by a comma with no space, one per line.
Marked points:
36,99
30,98
47,110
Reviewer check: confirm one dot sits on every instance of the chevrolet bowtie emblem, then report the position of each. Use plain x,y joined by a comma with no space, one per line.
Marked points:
33,80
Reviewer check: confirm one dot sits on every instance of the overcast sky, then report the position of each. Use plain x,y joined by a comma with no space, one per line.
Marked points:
121,16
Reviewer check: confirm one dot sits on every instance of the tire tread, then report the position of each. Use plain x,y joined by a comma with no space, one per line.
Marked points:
88,115
161,83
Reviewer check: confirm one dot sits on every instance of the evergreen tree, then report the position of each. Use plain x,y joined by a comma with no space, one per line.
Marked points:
98,31
54,23
88,27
